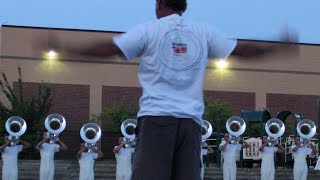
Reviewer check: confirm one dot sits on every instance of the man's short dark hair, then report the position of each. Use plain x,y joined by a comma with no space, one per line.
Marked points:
176,5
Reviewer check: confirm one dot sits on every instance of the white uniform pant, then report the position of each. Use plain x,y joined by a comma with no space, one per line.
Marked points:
202,171
9,173
300,173
86,171
267,173
86,175
124,175
47,170
229,171
267,168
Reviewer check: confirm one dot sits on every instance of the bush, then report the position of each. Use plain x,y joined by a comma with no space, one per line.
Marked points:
217,113
113,116
33,110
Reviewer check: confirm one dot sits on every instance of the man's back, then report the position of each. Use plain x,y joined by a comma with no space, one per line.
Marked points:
174,55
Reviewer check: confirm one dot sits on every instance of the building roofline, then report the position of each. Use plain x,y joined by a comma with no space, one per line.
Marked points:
118,32
62,29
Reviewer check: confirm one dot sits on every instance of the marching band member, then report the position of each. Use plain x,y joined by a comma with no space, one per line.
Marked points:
230,152
299,153
47,151
123,156
267,163
86,162
10,157
205,150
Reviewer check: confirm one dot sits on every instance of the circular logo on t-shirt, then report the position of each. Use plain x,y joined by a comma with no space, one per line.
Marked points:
180,50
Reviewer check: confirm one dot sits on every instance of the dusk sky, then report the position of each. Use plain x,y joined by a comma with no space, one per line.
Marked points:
243,19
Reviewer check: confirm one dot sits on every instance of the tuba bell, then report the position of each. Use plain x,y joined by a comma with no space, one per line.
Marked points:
275,129
306,130
90,133
16,127
55,124
206,131
235,127
128,131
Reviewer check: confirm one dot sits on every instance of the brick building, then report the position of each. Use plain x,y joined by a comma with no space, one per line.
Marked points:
82,86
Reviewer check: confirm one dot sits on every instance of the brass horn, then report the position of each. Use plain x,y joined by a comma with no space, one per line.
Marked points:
275,129
16,127
235,127
128,131
306,130
55,124
90,133
206,131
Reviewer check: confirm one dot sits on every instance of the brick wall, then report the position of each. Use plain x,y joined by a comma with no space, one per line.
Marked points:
238,100
306,105
115,94
71,101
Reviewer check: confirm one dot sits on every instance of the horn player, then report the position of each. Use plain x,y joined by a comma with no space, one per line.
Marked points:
267,153
9,156
230,151
299,153
47,152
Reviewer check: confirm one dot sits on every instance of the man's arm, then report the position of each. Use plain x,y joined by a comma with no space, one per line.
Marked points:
100,153
4,146
98,48
280,148
223,147
313,149
39,145
81,150
117,148
25,144
297,146
210,150
263,145
253,49
245,144
62,147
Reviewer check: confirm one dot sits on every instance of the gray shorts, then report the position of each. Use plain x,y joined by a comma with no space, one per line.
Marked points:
167,148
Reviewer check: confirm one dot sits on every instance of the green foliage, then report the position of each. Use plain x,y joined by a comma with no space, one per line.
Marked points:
217,113
113,116
32,109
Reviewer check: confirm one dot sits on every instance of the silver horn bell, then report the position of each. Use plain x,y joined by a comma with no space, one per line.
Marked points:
55,124
128,131
206,131
90,133
306,130
275,129
235,127
16,127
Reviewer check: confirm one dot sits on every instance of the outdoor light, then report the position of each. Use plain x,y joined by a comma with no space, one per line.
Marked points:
51,54
222,64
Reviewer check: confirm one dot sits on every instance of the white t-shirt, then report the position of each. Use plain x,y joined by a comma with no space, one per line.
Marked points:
174,54
204,152
87,159
86,163
124,157
48,150
267,156
230,153
10,155
301,154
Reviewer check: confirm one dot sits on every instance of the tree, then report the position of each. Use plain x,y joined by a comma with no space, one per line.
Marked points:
217,113
113,116
32,109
